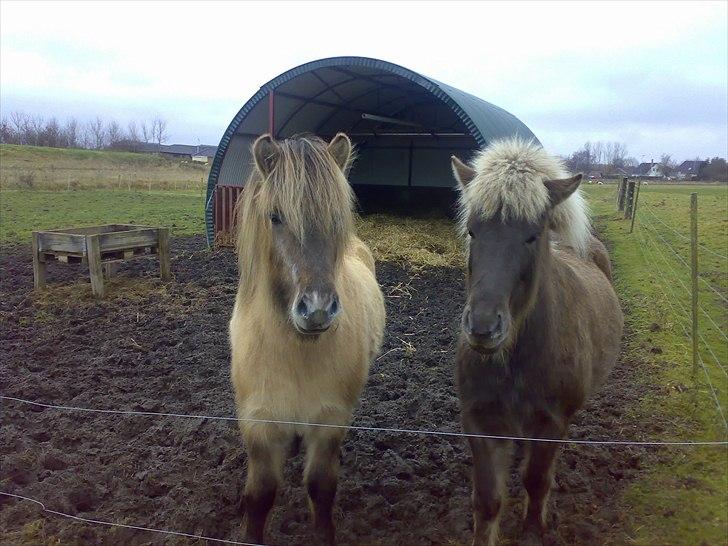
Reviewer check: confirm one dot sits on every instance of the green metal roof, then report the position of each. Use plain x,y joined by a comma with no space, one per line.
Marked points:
330,95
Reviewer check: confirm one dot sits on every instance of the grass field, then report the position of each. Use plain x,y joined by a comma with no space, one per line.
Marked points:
31,167
682,499
22,211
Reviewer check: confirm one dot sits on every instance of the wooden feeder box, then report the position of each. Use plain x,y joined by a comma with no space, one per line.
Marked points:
101,247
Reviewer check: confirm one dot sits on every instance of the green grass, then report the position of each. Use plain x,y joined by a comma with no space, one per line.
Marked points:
683,498
21,212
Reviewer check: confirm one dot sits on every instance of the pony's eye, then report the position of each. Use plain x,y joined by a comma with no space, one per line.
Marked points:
275,219
470,232
532,238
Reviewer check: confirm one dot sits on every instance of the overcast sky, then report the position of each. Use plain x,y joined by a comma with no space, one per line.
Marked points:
651,75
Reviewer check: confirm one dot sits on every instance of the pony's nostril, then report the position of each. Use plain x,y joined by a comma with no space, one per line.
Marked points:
302,308
334,308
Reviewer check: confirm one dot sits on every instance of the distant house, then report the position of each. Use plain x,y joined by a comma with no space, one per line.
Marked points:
202,153
690,170
648,170
595,175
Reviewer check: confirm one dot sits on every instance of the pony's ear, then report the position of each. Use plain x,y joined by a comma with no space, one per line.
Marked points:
463,174
265,153
340,150
560,190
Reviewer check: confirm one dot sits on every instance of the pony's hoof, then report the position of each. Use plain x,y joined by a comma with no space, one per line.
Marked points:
531,537
325,537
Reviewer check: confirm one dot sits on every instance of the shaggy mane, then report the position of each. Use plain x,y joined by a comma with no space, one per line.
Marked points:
306,187
509,182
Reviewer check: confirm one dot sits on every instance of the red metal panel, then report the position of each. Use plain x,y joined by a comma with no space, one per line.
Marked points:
225,194
225,199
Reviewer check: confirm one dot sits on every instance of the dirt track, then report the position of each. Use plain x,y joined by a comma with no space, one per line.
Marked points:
164,349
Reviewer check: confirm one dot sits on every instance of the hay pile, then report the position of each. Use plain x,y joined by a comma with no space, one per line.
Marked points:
417,242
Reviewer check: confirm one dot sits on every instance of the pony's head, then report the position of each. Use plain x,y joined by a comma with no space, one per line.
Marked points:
294,221
511,196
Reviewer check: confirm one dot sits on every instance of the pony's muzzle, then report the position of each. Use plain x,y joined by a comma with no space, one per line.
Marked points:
485,331
314,312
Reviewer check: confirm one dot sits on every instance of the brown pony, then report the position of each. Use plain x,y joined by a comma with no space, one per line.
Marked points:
541,325
307,322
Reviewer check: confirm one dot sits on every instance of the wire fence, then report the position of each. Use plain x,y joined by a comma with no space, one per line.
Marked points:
673,288
682,283
364,428
124,525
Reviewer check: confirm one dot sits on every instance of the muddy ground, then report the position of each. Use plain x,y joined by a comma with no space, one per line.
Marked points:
159,348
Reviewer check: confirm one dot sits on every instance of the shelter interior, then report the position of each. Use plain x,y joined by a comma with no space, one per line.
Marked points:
404,135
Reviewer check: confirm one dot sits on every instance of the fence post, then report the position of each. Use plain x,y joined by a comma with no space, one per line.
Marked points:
694,275
620,193
629,200
634,205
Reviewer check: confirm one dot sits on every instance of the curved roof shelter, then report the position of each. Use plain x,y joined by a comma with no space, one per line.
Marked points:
405,125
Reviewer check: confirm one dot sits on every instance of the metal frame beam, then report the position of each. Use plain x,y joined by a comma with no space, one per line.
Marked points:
329,87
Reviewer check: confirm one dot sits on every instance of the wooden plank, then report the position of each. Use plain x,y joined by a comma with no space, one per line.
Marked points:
165,271
63,242
87,230
94,265
53,254
39,266
127,239
110,268
129,227
122,260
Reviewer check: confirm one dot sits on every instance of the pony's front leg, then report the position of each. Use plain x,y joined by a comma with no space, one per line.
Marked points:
321,476
538,477
491,460
266,454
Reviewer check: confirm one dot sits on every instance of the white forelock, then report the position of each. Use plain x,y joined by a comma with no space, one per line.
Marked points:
509,180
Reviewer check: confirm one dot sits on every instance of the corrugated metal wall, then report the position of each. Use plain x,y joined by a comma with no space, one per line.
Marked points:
238,163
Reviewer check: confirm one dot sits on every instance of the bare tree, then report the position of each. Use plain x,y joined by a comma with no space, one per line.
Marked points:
159,131
667,164
96,133
18,124
50,134
598,153
716,169
606,156
71,134
132,132
114,134
615,155
146,131
21,128
6,132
